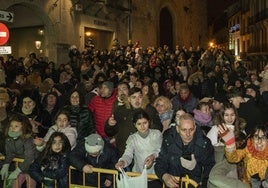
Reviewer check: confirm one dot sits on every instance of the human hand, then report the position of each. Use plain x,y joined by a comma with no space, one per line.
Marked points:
188,164
14,174
149,161
227,136
4,171
107,183
112,121
120,164
38,141
87,169
170,181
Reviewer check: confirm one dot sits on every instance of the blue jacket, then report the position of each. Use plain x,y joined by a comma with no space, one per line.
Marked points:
172,149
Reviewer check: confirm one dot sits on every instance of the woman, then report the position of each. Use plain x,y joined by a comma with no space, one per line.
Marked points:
254,155
51,168
163,106
29,105
51,104
228,116
80,117
142,147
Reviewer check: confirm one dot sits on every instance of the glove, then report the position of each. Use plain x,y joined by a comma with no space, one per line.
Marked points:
48,181
228,138
4,171
188,164
14,174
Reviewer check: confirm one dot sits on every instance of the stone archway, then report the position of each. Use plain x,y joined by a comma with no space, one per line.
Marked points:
166,28
29,20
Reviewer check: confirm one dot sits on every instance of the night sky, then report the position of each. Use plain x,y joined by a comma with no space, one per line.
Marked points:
216,7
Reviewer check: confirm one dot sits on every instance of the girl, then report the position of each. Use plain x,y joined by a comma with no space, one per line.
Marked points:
19,144
142,146
228,116
202,116
51,168
254,155
62,125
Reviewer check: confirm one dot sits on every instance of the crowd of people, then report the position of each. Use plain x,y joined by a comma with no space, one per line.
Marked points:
187,111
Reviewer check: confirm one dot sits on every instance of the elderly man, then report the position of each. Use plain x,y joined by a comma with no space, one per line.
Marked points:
185,151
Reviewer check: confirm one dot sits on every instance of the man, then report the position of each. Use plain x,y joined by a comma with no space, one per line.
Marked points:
120,124
246,108
101,106
185,99
122,95
185,151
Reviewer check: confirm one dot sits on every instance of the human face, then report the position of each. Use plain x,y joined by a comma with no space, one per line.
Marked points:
178,115
105,91
142,125
74,99
251,92
15,126
145,90
136,99
28,105
155,87
184,93
186,130
57,144
216,105
235,101
122,91
160,107
229,116
205,109
259,140
51,100
62,121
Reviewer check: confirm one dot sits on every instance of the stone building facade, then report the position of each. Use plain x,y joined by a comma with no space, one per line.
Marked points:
58,24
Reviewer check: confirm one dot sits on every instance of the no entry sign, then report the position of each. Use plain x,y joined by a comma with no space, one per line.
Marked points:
4,34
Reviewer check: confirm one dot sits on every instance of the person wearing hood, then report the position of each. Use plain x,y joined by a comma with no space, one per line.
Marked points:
94,153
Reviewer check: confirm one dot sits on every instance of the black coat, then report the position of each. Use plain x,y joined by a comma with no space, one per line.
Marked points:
172,149
107,160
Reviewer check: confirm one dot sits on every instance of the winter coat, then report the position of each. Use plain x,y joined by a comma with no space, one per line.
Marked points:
124,126
107,159
173,148
23,148
81,119
55,168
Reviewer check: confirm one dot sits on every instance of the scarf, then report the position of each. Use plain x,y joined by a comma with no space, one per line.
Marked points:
201,117
263,155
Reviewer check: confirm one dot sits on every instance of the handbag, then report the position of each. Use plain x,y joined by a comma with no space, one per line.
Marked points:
125,181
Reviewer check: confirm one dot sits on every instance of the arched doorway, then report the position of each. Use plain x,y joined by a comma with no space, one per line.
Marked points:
166,28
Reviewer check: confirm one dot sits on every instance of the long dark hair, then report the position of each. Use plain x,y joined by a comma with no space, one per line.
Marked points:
48,149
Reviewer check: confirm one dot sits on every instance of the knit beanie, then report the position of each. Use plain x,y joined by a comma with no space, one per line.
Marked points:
94,143
109,84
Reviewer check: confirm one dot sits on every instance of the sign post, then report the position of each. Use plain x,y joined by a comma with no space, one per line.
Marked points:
6,16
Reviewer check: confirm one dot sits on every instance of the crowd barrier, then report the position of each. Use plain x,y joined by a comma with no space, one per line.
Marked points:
114,173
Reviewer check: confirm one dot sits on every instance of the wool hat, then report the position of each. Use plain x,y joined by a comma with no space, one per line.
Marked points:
109,84
94,143
254,87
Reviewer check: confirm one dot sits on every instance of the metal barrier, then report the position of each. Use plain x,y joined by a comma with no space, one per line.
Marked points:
100,171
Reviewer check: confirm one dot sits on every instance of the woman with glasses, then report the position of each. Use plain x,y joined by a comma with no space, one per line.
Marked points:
254,155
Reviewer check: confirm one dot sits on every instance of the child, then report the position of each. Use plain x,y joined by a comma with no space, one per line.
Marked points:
254,155
62,125
53,164
19,144
94,152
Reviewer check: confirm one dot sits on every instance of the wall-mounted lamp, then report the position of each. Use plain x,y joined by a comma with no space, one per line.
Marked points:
38,44
41,32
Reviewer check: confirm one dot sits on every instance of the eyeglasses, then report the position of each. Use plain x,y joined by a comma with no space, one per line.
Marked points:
261,138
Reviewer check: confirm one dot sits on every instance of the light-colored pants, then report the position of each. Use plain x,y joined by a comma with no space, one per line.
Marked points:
21,179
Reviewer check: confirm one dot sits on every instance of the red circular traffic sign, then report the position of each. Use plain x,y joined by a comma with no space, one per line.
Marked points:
4,34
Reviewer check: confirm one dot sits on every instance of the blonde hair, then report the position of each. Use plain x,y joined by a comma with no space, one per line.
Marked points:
166,101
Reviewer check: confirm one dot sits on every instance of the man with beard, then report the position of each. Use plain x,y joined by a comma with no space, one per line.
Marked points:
120,124
122,95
